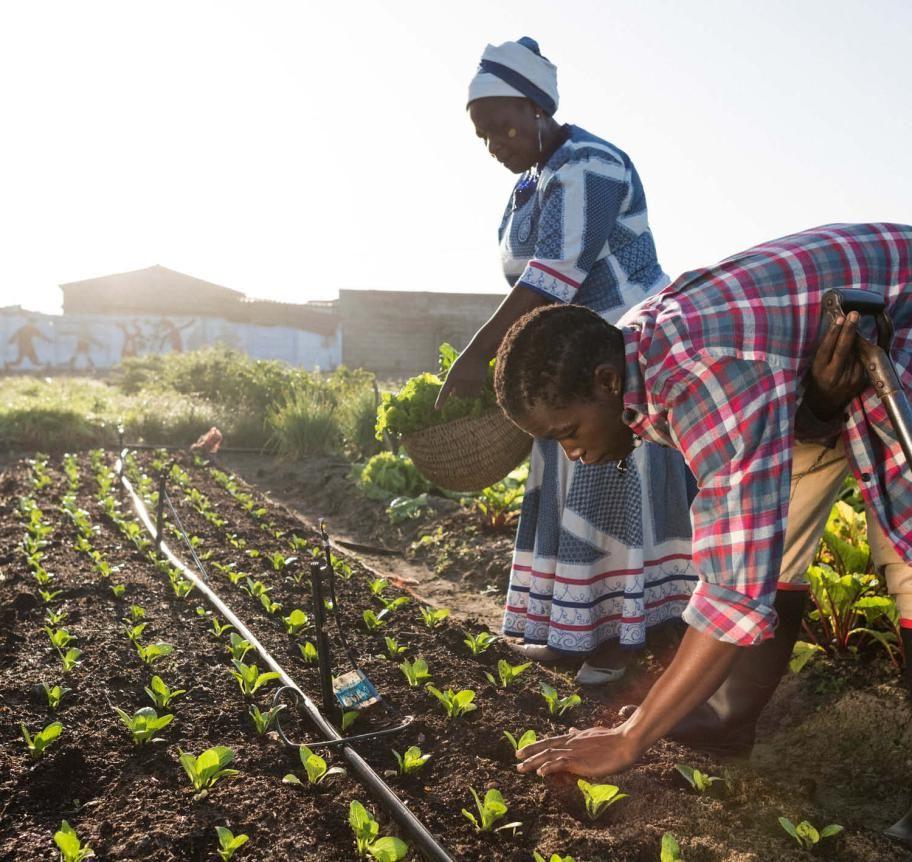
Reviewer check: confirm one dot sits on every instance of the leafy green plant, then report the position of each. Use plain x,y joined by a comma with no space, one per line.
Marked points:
455,704
134,632
118,590
506,672
218,629
249,678
71,847
280,562
153,652
295,621
480,642
60,638
393,648
315,767
160,694
555,857
387,475
269,605
416,672
806,835
366,830
390,605
558,705
42,739
598,797
136,613
309,652
208,768
238,646
262,721
411,761
374,621
671,850
434,617
71,659
525,738
377,586
490,810
349,717
47,596
54,695
55,618
802,653
144,723
229,843
699,781
499,504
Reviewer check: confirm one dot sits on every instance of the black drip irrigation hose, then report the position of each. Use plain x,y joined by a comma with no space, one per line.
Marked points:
421,837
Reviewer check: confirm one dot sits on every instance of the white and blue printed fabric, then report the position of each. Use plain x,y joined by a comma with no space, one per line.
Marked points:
600,553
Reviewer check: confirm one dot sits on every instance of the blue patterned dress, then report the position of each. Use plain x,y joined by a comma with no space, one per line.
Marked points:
600,553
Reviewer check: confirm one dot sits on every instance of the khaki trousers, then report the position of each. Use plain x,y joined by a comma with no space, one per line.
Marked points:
817,475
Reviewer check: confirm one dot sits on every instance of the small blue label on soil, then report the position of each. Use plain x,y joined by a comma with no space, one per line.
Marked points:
354,690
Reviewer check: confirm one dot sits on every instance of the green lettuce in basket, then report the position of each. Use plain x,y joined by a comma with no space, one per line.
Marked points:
412,408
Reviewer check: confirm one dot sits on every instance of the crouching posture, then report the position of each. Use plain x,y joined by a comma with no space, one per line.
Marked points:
716,365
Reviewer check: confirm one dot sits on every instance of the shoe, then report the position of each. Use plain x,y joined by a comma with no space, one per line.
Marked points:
536,652
590,675
726,724
902,829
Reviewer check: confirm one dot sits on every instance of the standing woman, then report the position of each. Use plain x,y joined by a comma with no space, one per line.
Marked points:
602,550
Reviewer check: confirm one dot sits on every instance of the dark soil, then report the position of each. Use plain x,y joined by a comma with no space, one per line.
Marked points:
830,751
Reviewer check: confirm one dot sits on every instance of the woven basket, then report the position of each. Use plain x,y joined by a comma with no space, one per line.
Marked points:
470,453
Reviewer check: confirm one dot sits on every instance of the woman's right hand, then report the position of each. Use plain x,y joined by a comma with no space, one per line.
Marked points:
466,378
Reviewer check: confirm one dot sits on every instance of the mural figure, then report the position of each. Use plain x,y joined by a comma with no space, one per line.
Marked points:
171,334
133,338
24,339
85,341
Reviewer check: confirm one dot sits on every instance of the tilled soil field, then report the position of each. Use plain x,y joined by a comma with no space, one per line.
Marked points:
135,802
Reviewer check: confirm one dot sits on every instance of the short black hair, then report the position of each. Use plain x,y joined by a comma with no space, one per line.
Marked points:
550,355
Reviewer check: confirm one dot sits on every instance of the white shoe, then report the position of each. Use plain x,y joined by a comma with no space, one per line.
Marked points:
590,675
536,652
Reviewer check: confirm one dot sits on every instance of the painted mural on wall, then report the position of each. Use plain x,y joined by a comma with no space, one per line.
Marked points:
35,342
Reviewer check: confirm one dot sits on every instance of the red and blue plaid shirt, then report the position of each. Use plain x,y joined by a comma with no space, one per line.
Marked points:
715,368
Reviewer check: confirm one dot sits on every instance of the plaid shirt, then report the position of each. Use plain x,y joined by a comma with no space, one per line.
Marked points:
715,368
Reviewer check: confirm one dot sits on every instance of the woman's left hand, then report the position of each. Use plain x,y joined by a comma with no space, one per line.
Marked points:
590,753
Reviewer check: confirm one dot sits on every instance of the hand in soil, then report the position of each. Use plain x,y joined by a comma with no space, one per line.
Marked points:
590,753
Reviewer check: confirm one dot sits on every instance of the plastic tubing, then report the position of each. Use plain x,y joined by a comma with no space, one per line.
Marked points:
421,837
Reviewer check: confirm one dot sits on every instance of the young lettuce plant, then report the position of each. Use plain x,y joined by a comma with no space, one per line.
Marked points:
454,704
598,797
558,705
144,723
70,659
309,652
555,857
160,693
42,739
134,632
54,695
416,672
238,646
118,590
390,605
71,848
60,638
806,835
506,672
490,810
151,653
210,767
393,648
411,761
671,850
229,843
699,781
374,621
262,721
366,830
315,767
218,629
47,596
525,738
249,678
480,642
295,621
54,618
349,717
434,617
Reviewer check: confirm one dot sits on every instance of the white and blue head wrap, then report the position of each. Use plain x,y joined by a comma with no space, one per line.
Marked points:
516,69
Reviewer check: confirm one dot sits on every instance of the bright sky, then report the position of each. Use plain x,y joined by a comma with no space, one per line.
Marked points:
287,149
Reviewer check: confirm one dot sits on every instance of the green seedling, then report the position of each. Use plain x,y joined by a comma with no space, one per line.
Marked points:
377,586
366,830
506,672
134,632
41,740
598,797
349,717
434,617
144,723
249,678
455,704
393,648
480,642
238,647
555,857
118,590
559,705
699,781
390,605
42,577
218,629
374,621
54,695
60,638
295,621
160,694
309,652
256,588
416,672
411,761
262,721
136,613
182,587
269,605
229,843
151,653
70,659
207,769
54,618
47,596
525,738
315,767
671,850
492,809
281,562
70,847
806,835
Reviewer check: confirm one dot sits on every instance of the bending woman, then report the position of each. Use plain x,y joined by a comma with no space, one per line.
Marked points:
602,549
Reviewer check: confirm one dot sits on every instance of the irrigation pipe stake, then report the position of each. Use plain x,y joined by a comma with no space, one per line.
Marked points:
422,838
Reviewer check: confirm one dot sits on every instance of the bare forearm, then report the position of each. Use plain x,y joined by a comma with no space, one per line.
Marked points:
518,302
